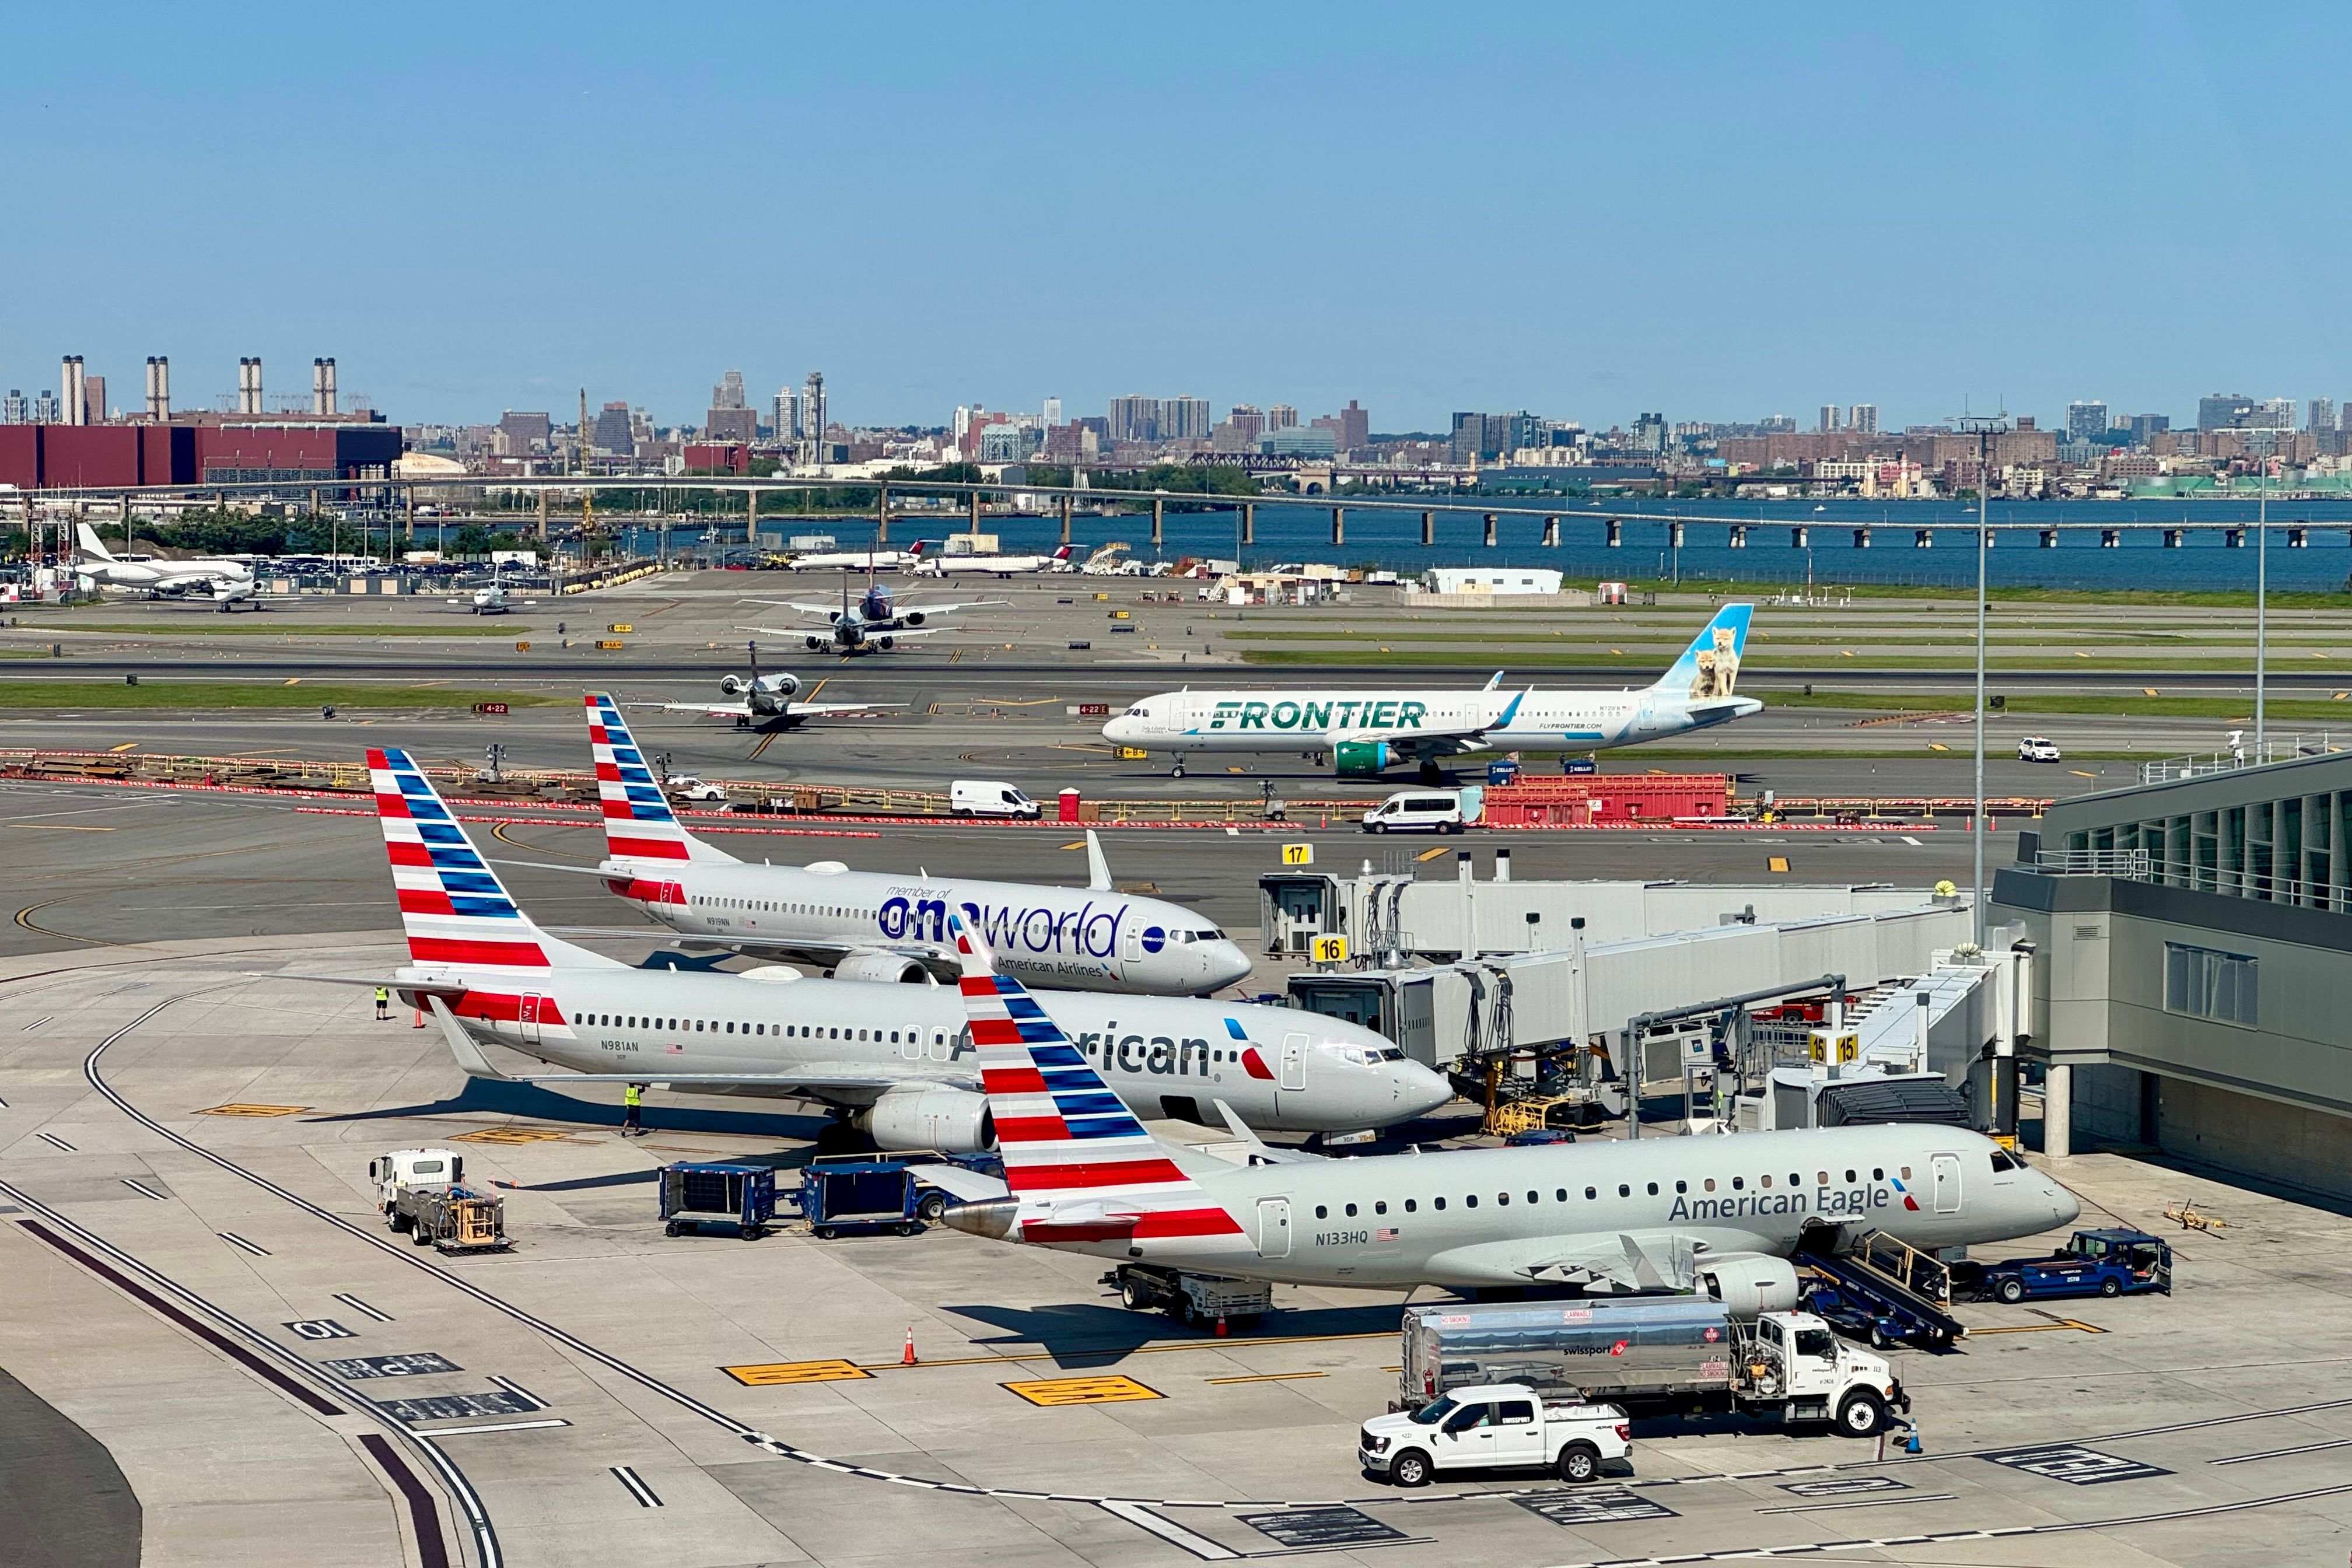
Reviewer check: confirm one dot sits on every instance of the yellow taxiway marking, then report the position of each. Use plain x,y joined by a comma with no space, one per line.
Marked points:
512,1135
296,682
2051,1327
769,1375
1269,1377
765,742
1937,746
1140,1350
2148,691
1080,844
1112,1390
1776,863
1431,854
253,1111
126,746
2080,775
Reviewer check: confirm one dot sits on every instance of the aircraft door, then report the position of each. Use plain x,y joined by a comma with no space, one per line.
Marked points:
1948,1184
527,1017
1130,941
1294,1061
910,1045
1273,1227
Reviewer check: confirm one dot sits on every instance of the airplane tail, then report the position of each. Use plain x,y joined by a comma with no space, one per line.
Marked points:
638,822
456,910
1080,1167
916,551
90,543
1063,553
1709,667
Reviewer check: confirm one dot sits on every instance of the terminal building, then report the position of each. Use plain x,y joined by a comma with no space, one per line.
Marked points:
2195,942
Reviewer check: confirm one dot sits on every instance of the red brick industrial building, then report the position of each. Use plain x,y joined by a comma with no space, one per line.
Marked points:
51,456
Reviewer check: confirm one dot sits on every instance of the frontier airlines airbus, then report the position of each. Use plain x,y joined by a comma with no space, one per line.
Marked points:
1366,732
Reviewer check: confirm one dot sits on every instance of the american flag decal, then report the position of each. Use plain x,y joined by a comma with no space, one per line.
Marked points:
1385,1233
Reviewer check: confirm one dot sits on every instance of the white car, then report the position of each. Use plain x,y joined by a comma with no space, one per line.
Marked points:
2037,749
685,786
1494,1426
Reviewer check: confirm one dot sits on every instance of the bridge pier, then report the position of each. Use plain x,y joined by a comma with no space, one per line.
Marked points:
2172,538
410,492
2111,539
1428,528
1862,538
1923,538
2298,539
1738,536
1675,536
1159,522
1249,520
971,512
2049,539
1490,530
1551,533
1800,537
543,516
882,516
2233,538
1338,526
751,519
1613,532
1066,520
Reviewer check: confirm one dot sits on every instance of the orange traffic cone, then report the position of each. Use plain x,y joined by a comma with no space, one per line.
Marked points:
1220,1327
907,1357
420,1019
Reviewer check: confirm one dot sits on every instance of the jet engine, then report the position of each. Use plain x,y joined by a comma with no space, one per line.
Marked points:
888,642
914,617
780,685
813,642
921,1116
895,967
1748,1283
1361,759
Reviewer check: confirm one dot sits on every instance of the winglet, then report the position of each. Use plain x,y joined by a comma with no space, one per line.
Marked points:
1098,868
1493,681
1510,712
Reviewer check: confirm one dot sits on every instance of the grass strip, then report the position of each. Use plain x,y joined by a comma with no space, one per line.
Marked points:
262,626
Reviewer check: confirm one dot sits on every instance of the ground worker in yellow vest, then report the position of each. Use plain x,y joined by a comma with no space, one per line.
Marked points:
383,1004
632,1102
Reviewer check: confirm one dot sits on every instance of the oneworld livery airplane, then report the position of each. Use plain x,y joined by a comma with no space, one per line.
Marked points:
887,925
1367,733
895,1061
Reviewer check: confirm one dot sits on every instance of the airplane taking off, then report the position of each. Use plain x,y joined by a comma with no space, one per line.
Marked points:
877,925
873,621
1717,1215
766,699
229,582
893,1059
1005,566
1366,732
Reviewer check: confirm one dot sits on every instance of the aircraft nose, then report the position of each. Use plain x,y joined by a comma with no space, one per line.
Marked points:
2065,1208
1118,729
1224,963
1419,1090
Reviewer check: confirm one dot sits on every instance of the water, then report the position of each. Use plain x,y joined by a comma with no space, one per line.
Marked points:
1289,532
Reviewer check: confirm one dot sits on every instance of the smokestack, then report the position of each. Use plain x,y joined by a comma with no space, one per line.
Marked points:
331,385
318,385
162,386
249,385
72,393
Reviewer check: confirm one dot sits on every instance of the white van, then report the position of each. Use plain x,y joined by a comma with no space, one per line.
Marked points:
988,798
1424,811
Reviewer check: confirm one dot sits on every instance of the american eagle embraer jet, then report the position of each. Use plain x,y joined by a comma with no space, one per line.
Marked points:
894,1059
1366,732
1722,1216
886,925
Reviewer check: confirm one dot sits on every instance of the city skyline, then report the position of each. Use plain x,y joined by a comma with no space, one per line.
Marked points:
2029,263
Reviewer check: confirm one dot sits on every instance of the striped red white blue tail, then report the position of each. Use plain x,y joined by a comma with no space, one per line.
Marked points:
457,912
638,822
1080,1165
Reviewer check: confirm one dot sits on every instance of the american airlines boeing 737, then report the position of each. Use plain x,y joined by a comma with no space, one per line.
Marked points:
884,925
1367,733
896,1060
1718,1214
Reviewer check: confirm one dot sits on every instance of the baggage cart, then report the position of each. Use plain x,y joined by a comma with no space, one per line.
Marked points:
838,1195
695,1194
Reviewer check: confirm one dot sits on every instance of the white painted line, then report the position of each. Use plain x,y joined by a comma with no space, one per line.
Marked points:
1169,1531
37,1023
1912,842
2283,1453
637,1488
356,1305
53,1138
145,1190
492,1426
237,1241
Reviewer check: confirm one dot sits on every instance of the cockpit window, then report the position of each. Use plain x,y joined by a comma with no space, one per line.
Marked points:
2001,1161
1138,712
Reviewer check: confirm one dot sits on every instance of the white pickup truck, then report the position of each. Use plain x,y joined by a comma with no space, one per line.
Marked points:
1494,1425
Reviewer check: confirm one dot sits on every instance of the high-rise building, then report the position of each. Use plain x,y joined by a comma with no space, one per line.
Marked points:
1777,424
610,432
2321,415
1828,418
1864,421
1184,418
1650,430
2275,413
1053,412
2144,426
46,410
1248,423
728,393
813,420
1470,438
15,409
2086,421
526,433
1355,427
786,415
93,399
1134,419
1281,416
2224,411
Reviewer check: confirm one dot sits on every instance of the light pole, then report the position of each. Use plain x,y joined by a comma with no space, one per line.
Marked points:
2261,604
1985,427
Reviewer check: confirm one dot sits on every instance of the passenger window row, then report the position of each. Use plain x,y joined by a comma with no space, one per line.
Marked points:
730,1027
1624,1189
769,906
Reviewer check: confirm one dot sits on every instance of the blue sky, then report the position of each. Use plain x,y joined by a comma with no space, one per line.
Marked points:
1718,212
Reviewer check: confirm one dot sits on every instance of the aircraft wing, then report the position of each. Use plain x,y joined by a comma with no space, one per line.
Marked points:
949,609
715,709
1609,1261
825,611
836,709
1441,740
